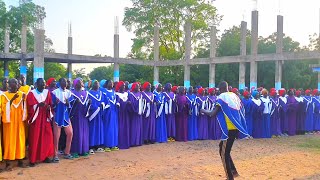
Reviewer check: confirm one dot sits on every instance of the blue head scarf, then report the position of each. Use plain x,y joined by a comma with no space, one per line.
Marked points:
254,93
102,82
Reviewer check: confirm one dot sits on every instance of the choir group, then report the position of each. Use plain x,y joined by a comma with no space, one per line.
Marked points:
105,116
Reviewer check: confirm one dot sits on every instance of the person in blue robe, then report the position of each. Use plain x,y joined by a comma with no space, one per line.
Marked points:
161,127
192,118
257,111
247,103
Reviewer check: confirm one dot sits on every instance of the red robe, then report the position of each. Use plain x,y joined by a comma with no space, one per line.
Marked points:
40,131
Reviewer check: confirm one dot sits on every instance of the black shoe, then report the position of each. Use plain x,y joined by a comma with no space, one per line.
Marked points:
32,164
48,160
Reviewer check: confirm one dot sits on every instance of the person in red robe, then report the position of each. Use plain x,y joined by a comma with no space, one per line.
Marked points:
39,105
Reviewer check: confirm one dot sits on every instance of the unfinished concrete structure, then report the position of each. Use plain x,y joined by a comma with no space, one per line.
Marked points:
40,56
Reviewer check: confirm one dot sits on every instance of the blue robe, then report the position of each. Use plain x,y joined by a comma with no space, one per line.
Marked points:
110,119
96,128
232,108
316,114
308,100
170,109
257,115
61,113
266,122
192,118
247,103
161,127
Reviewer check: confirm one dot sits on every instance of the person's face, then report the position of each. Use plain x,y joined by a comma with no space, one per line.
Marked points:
79,85
257,96
137,88
265,95
41,84
195,90
5,83
122,87
63,83
126,84
22,79
13,85
159,88
190,90
110,84
53,84
169,87
290,93
148,87
96,85
68,84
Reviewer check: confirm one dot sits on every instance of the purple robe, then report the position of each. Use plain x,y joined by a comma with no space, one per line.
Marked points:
275,118
292,115
283,114
202,118
170,108
182,118
149,117
301,114
80,122
135,118
124,121
214,130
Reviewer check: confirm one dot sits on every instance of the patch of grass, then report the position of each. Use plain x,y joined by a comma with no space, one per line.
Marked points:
311,143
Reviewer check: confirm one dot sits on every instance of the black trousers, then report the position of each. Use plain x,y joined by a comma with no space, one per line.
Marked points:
225,147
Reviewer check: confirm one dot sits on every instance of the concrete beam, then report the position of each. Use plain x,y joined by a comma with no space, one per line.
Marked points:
187,54
212,66
254,48
243,52
279,49
156,54
38,69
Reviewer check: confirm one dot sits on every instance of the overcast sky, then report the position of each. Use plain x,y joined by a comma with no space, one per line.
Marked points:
93,21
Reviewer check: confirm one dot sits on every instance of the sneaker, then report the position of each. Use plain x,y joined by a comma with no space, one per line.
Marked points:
91,152
100,150
69,156
56,159
115,149
107,149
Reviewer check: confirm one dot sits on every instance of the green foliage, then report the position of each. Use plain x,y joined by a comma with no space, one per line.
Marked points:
103,72
80,73
55,70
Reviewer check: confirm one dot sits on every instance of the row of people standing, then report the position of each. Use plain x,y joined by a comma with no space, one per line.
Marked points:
281,113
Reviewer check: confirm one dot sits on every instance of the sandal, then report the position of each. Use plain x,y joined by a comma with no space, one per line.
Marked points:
68,156
115,149
48,160
100,150
85,154
56,159
91,152
107,150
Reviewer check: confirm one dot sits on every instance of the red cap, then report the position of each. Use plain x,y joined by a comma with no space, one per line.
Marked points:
174,89
50,80
315,92
234,90
272,89
145,85
308,91
298,93
211,90
246,93
273,93
200,91
134,86
120,83
282,92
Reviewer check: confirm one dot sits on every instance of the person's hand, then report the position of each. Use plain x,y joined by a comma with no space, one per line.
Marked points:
41,104
23,97
15,97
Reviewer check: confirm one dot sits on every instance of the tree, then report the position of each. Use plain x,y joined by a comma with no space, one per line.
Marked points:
170,16
102,72
80,73
55,70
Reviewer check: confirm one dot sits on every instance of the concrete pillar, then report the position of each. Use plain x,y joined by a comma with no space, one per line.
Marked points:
319,49
156,55
6,50
243,52
254,48
187,55
70,44
23,62
279,46
212,66
116,71
38,70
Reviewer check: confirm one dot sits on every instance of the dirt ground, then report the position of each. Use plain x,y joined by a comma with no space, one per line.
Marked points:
278,158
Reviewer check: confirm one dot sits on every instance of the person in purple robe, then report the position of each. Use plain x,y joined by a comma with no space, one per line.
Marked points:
257,112
182,115
292,104
135,110
212,121
308,100
275,118
79,118
283,112
96,129
316,113
149,114
301,113
124,120
266,131
202,118
247,103
170,108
